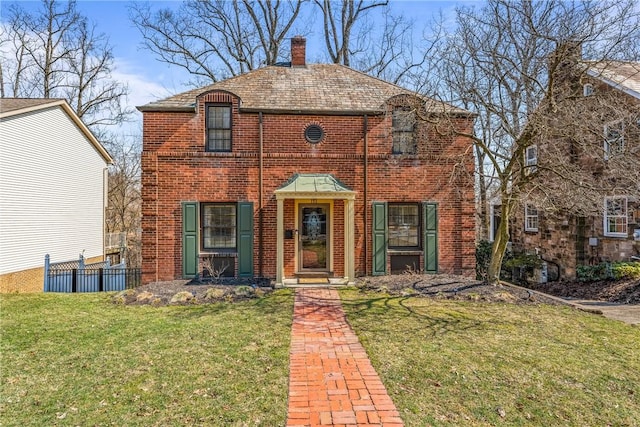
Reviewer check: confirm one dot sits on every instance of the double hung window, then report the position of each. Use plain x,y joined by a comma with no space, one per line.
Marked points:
531,159
218,226
218,127
616,211
613,139
404,226
530,218
403,124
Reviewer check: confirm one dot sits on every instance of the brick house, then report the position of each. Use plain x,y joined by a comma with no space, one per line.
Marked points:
607,95
300,170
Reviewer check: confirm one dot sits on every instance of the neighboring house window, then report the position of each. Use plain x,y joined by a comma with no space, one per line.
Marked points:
531,159
530,218
403,123
218,127
587,90
218,226
404,225
613,139
615,216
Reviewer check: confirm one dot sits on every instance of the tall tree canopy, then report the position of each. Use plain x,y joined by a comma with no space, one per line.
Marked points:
512,63
217,39
55,52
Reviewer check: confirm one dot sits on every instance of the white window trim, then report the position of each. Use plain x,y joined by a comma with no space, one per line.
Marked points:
607,148
625,216
531,164
528,216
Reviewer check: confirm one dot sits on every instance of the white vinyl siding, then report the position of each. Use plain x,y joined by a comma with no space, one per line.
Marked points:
52,187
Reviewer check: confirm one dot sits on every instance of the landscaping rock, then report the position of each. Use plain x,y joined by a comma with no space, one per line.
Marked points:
144,297
214,294
181,297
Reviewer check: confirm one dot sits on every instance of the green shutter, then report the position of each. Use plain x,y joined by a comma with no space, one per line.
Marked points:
379,266
430,215
189,239
245,239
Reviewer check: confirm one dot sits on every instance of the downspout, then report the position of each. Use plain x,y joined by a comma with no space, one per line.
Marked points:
260,203
365,130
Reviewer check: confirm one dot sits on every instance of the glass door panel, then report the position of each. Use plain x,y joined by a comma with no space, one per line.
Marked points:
313,237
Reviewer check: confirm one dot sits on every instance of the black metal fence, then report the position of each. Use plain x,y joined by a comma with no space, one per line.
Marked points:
75,276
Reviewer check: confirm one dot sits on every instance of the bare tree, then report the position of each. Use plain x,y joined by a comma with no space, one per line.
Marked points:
216,39
124,208
510,63
55,53
368,36
340,19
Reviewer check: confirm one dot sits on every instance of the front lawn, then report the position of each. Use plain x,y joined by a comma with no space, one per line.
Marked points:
81,360
467,363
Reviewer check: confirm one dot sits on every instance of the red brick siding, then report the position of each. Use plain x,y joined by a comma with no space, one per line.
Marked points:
176,168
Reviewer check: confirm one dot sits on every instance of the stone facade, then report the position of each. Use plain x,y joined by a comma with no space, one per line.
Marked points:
611,94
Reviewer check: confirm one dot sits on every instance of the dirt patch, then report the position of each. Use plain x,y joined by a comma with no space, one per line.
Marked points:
450,287
620,291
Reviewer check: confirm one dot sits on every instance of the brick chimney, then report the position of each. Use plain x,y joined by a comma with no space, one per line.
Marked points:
298,51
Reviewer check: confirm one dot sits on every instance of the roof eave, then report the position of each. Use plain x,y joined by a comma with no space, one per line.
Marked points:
614,84
166,109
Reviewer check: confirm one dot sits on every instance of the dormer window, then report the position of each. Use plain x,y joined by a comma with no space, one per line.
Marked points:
218,127
587,89
404,123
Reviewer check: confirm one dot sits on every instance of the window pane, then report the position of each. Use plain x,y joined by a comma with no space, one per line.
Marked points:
403,143
219,128
616,218
219,226
404,225
403,124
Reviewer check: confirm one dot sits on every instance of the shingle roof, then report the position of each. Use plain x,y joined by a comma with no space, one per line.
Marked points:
318,88
622,75
8,105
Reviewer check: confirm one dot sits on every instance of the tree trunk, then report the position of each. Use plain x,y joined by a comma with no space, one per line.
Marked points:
500,243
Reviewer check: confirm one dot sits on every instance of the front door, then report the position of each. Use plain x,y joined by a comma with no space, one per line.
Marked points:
314,237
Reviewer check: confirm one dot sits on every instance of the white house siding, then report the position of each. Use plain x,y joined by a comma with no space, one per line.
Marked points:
51,191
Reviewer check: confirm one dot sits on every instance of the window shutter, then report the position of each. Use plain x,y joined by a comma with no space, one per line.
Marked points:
430,211
379,266
245,239
189,239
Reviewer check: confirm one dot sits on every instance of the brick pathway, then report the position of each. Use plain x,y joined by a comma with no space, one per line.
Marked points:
332,382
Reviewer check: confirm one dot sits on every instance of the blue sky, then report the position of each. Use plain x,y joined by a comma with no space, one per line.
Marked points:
149,79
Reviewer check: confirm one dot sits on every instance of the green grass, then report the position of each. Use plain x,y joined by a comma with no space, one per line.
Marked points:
80,360
453,363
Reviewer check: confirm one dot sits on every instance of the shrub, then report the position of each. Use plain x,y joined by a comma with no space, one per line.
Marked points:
483,256
525,263
606,271
626,270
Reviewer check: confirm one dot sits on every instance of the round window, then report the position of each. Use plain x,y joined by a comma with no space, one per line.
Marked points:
314,134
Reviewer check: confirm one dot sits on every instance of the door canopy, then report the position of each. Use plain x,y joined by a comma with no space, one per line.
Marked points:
314,186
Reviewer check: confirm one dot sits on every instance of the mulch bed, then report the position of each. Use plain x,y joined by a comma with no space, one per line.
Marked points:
621,291
441,286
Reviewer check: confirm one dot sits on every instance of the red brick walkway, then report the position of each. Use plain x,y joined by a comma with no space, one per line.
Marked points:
332,382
